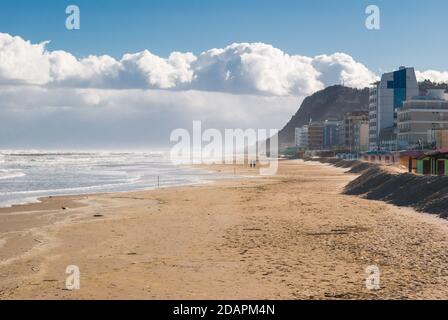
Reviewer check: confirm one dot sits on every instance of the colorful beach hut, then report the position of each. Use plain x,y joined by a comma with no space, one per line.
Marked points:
433,163
380,156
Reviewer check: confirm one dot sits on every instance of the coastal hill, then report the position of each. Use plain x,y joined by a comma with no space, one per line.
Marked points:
330,103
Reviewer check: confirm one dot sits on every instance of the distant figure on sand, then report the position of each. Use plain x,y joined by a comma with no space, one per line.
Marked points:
253,163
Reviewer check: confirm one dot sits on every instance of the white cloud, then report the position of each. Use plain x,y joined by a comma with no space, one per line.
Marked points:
23,62
157,72
93,71
342,68
240,68
433,75
255,68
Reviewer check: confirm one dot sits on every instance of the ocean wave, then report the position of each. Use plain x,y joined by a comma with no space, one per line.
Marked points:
68,173
8,174
81,190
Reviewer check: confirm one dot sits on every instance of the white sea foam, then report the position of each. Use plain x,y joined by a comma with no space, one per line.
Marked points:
7,174
26,176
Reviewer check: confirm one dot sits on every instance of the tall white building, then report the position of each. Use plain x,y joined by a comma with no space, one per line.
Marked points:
301,137
386,97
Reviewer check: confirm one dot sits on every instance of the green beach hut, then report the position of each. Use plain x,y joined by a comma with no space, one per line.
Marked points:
433,163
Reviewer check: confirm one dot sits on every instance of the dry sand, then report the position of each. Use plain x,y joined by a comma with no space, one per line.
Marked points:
290,236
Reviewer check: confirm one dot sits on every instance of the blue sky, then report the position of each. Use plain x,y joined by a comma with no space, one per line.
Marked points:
412,32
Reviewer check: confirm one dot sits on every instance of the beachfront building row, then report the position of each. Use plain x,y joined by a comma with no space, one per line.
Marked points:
310,136
313,136
350,134
400,119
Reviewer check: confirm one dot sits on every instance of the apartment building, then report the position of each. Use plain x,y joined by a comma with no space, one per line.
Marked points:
351,120
386,97
331,134
301,137
420,117
316,135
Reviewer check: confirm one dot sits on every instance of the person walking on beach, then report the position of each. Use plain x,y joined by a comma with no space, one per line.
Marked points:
253,163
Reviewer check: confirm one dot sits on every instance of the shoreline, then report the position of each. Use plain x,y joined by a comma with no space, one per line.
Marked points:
290,236
42,202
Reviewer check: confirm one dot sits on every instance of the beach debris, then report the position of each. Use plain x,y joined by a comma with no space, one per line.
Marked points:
63,208
131,253
98,215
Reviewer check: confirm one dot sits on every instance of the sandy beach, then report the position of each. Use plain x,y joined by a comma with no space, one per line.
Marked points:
289,236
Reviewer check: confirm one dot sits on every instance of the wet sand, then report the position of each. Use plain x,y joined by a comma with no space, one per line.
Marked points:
289,236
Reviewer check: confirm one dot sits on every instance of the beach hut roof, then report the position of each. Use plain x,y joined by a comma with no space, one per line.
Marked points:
411,153
434,153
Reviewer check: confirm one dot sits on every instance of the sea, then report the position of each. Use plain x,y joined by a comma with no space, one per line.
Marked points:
26,176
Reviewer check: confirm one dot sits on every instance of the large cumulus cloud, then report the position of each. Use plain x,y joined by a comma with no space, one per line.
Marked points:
342,68
255,68
22,61
241,68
